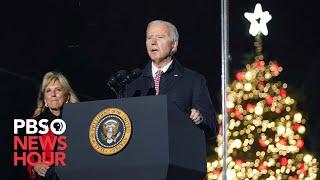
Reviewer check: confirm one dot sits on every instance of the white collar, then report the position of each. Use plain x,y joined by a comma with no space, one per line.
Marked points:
163,69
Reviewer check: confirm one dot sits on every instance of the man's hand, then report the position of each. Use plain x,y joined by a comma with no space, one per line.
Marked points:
196,116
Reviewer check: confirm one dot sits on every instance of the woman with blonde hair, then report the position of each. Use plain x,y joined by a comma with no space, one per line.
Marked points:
68,94
54,92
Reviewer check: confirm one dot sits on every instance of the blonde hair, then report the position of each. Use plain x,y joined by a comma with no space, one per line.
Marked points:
48,78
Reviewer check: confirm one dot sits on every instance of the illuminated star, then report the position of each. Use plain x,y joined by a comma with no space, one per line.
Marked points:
258,20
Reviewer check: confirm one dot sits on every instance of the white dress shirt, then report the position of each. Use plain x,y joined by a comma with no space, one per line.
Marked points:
163,69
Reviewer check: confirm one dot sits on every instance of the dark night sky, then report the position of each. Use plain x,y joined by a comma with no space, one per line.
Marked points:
46,35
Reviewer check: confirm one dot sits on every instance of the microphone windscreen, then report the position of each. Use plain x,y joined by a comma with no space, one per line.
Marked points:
136,72
120,74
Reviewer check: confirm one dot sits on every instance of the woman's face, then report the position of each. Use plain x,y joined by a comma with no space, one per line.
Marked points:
54,95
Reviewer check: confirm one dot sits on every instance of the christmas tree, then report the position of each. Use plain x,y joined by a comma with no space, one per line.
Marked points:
265,128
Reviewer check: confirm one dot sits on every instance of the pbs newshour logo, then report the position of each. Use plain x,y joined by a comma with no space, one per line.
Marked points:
41,139
57,126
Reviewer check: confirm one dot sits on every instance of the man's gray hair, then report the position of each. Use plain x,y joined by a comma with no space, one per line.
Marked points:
174,32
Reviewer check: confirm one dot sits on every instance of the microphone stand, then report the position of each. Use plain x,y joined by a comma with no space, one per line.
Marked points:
120,93
118,82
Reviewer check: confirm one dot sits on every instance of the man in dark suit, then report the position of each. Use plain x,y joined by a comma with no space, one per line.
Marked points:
165,75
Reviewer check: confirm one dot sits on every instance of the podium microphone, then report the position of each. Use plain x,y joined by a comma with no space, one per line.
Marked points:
114,80
120,79
134,74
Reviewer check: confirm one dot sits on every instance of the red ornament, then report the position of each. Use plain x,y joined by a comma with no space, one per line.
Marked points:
301,169
283,93
262,143
249,107
283,141
296,126
220,129
283,161
217,171
237,114
262,167
278,110
260,85
259,64
269,100
300,143
239,76
275,69
293,178
239,161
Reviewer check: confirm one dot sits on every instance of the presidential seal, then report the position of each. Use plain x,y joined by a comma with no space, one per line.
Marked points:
110,131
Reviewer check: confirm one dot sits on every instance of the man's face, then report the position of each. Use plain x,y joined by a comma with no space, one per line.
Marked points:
159,42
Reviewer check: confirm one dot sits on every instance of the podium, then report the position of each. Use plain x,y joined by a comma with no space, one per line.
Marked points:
164,142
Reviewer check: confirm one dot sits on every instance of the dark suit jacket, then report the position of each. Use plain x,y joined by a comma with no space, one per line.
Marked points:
183,87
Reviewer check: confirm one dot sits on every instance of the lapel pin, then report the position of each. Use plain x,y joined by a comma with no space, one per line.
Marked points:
175,75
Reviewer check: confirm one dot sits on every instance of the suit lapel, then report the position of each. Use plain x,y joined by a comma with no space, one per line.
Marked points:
171,77
147,80
168,79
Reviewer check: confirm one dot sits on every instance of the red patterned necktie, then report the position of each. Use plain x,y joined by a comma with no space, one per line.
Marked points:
157,81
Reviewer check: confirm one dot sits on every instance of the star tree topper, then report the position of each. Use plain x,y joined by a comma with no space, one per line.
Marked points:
258,20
